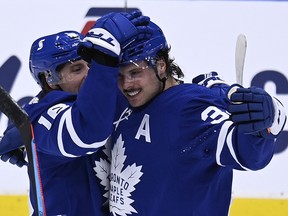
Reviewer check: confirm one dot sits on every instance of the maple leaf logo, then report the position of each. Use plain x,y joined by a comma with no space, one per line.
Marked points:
102,168
122,183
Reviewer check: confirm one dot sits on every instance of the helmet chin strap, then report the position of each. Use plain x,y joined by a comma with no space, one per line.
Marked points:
162,80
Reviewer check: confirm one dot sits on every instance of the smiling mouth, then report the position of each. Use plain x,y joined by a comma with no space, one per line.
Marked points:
132,93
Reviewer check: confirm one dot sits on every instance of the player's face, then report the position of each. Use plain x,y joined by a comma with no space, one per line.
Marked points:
73,75
138,83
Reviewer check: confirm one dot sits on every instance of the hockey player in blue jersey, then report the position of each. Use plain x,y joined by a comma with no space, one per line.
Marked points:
73,114
175,146
66,164
61,115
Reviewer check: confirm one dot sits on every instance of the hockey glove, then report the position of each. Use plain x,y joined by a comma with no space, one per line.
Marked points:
208,79
112,32
11,139
251,109
214,82
15,157
11,147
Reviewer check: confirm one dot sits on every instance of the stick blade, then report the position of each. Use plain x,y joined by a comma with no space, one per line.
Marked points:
241,46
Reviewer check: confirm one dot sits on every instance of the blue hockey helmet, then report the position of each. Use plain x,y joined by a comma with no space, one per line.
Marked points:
145,49
51,51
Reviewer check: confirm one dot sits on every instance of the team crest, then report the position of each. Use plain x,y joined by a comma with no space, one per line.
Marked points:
122,180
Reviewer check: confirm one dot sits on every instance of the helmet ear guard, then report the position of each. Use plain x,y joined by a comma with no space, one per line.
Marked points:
51,51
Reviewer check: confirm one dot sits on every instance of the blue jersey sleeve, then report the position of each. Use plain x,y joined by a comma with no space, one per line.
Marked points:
219,136
74,125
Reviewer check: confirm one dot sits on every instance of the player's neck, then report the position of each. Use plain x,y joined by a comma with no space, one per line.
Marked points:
170,82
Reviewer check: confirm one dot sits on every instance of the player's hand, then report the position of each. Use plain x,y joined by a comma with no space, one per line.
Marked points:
10,140
15,157
111,33
251,109
11,147
125,27
208,79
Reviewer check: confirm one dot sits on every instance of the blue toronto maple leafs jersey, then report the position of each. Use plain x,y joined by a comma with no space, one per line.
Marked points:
68,130
176,155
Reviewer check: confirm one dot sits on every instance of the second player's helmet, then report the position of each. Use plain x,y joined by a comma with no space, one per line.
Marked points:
145,49
49,52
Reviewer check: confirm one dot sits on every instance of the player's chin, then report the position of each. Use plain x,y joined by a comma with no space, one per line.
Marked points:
134,102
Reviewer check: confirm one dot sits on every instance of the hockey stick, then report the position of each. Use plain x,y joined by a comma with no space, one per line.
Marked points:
15,113
240,52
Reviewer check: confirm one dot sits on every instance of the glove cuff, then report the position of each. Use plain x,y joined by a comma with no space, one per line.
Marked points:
279,117
278,122
104,59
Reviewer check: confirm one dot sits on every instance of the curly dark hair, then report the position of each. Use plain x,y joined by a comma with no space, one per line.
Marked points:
172,68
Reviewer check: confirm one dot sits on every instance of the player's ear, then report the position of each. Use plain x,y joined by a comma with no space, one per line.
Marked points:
161,67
